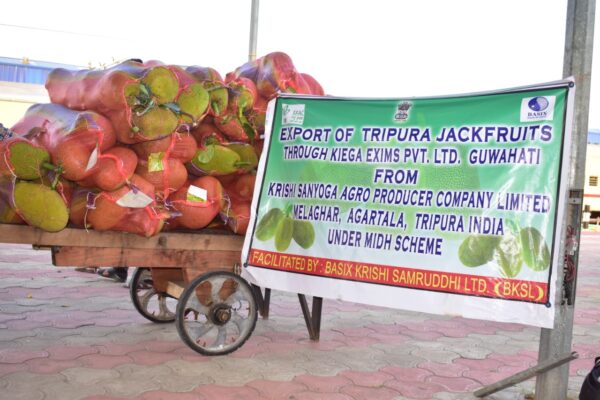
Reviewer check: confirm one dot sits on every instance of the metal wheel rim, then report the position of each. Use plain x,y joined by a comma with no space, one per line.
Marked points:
153,305
199,323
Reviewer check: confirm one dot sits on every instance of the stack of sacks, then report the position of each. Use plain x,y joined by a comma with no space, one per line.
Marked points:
142,147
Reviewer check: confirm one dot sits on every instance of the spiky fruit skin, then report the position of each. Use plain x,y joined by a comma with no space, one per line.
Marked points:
156,123
162,82
40,206
22,158
193,102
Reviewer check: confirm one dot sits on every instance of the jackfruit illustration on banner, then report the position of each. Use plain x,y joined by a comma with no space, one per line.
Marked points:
457,195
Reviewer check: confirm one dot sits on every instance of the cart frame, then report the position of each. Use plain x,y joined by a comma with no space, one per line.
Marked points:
201,268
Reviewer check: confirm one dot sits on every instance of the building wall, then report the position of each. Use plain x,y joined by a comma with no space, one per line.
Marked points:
16,98
591,192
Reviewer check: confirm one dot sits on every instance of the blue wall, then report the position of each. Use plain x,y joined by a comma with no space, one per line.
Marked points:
15,70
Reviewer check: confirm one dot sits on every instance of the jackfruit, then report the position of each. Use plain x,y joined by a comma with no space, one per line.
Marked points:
40,206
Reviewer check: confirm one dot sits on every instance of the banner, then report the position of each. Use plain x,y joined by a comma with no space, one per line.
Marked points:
448,205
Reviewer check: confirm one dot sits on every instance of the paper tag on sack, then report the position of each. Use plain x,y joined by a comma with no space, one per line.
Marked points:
92,160
196,194
156,162
135,199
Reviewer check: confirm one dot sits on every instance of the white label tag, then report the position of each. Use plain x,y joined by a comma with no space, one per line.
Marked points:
135,200
197,194
93,160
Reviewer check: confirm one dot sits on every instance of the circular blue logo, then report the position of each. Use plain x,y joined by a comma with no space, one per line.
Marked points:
538,103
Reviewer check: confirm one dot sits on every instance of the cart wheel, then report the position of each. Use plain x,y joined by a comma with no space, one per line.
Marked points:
155,306
216,313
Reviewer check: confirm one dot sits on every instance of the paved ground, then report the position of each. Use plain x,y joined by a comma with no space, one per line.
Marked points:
71,335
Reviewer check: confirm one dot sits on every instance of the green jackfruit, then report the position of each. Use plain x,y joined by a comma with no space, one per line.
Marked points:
156,122
477,250
215,159
219,96
247,154
268,224
193,102
304,233
27,160
509,256
40,206
536,254
163,84
283,233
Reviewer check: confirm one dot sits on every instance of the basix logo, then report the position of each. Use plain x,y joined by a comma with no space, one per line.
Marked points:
539,108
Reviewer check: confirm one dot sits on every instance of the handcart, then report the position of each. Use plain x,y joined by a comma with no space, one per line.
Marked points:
190,278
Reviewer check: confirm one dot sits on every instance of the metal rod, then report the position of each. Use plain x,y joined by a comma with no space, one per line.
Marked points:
313,321
317,307
306,313
263,302
524,375
253,31
266,303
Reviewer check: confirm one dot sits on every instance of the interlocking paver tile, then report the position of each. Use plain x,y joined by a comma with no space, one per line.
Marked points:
237,371
163,346
25,395
367,379
319,396
358,341
323,384
26,325
17,356
414,390
488,364
228,392
165,395
101,361
134,379
276,390
435,355
450,370
176,383
6,369
360,347
457,396
89,376
25,382
469,350
48,366
63,352
202,371
151,357
368,393
392,339
119,349
407,374
455,384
